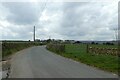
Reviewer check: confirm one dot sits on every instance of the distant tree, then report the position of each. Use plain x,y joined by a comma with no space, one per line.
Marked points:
93,43
77,42
108,43
104,43
49,40
96,43
112,43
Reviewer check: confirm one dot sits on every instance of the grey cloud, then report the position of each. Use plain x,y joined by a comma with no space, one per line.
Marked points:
22,13
80,21
18,32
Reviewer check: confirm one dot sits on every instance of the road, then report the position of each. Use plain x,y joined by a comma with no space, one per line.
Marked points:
37,62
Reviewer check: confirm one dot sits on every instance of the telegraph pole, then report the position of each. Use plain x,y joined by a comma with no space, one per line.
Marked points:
116,34
34,33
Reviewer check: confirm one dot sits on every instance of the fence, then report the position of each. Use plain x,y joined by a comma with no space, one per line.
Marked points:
107,51
56,47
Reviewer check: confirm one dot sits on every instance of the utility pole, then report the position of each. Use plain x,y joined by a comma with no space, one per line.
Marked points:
116,34
34,33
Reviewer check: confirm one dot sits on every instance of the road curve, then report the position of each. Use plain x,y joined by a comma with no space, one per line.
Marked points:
37,62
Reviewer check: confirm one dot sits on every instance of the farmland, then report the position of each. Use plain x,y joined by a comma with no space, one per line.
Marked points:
79,53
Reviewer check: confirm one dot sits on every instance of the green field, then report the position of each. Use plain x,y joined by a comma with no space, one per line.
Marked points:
78,52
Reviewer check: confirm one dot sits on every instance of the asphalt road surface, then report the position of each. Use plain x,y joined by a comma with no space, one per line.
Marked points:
37,62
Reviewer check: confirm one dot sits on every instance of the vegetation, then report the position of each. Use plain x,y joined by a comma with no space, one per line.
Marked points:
11,47
58,48
79,52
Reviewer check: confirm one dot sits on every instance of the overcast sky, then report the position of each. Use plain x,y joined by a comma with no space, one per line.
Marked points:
58,20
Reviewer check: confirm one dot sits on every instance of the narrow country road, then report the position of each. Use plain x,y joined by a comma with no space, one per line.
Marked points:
37,62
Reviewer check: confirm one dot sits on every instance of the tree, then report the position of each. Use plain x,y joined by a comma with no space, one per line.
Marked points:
93,43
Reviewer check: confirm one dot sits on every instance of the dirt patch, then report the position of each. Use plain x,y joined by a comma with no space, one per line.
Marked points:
5,65
6,68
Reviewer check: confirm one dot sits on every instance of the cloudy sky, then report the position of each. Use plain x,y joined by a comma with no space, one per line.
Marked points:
58,20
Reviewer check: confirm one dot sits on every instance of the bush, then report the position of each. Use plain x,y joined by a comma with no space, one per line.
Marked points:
59,48
10,47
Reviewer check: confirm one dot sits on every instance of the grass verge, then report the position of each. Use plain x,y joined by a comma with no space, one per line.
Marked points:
78,53
9,48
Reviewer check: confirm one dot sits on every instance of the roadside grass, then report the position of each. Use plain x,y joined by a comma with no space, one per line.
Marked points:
105,62
103,46
9,48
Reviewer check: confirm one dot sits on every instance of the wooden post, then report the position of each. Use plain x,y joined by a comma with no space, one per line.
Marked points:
34,34
87,49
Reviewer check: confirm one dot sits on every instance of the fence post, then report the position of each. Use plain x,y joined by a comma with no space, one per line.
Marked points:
87,49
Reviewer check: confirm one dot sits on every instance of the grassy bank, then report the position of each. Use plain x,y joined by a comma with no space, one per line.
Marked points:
9,48
78,52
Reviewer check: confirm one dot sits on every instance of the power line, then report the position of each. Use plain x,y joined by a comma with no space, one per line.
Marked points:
116,34
44,7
